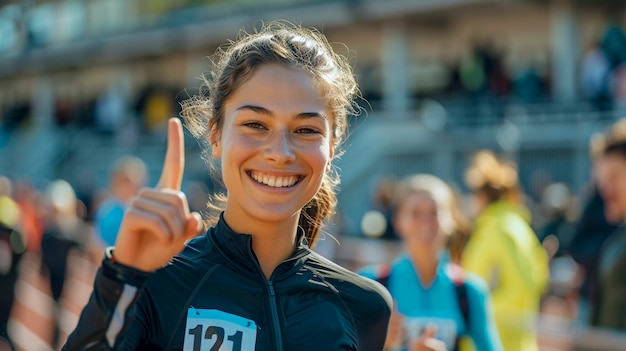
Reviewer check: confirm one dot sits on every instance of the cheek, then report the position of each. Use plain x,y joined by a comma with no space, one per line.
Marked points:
319,156
236,147
620,188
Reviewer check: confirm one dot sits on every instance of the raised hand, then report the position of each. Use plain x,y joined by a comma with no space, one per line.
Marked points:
427,341
157,223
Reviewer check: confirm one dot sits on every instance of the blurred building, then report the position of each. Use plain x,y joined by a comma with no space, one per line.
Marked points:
84,81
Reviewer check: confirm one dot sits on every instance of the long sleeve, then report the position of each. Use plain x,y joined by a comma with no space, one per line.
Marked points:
107,317
374,338
482,329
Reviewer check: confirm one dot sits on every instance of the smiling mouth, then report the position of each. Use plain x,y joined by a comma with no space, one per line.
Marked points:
274,181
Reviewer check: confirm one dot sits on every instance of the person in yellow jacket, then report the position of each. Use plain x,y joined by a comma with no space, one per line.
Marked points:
12,248
505,251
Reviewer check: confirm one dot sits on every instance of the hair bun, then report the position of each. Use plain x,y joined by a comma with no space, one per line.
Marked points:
487,170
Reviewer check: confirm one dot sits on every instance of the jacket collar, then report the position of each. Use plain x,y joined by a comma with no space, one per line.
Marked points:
498,208
237,249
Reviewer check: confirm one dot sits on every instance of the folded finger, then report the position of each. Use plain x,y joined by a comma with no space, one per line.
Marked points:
169,215
172,197
149,222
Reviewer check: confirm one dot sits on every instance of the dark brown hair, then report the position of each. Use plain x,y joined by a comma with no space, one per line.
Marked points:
292,46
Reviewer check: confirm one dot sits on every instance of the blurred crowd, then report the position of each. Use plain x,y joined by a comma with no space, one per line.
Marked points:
563,256
524,257
603,70
115,112
560,253
51,223
484,72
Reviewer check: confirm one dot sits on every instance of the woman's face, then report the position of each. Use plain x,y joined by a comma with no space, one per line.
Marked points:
275,145
417,221
611,176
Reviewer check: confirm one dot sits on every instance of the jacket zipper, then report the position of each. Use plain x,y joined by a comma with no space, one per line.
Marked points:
275,319
273,307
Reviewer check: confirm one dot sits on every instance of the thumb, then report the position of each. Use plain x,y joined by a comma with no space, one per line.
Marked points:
193,227
429,332
174,165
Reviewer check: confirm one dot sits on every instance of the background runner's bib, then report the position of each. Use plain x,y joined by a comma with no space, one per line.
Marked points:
215,330
446,329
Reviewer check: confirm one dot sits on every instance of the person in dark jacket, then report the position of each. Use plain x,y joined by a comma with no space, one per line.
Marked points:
274,112
610,301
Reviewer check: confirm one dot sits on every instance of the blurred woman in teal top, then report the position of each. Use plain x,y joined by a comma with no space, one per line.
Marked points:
425,283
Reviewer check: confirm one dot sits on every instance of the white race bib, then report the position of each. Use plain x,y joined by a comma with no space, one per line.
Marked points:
215,330
446,329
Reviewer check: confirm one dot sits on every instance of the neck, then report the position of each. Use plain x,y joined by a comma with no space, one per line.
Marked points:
425,262
272,243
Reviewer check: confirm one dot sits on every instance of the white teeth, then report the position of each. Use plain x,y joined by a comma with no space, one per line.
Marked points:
276,182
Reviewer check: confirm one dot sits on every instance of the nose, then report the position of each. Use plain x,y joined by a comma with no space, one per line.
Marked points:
280,148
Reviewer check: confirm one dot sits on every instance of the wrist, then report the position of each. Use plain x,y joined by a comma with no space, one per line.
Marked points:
121,272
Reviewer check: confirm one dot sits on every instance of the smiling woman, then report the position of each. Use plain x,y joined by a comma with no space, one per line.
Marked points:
273,131
274,114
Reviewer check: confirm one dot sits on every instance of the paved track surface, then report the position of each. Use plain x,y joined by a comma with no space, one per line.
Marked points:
32,316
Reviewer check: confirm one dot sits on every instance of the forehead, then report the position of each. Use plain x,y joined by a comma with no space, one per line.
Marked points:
281,90
612,161
416,199
610,166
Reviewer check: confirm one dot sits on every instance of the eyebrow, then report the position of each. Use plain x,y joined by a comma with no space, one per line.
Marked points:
264,111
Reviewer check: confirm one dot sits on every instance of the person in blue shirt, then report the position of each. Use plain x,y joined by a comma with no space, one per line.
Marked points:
128,175
438,306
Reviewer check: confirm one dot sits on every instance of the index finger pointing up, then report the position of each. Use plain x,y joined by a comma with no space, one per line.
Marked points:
172,173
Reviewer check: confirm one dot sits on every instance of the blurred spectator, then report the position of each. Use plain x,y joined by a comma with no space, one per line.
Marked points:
86,193
505,251
556,205
427,288
610,302
15,115
111,111
483,71
613,45
556,234
593,227
156,105
128,175
528,85
472,74
618,88
63,111
29,200
12,247
64,231
594,73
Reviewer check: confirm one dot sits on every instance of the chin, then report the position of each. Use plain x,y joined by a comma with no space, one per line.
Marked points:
273,214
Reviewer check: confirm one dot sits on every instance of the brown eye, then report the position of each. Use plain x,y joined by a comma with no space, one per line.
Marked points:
307,130
254,125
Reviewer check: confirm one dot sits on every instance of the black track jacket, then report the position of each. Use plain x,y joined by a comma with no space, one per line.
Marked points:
214,296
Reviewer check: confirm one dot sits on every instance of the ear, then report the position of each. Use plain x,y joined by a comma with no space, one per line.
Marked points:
216,145
331,154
